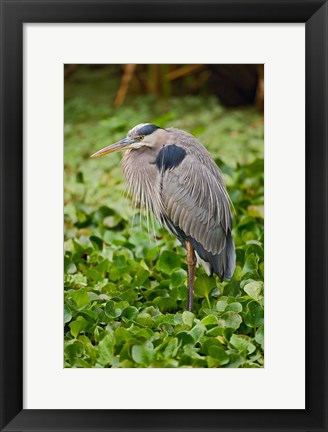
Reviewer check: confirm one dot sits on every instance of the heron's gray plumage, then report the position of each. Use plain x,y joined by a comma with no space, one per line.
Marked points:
185,190
143,181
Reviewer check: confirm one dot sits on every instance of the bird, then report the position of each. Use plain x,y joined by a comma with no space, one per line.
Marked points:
169,172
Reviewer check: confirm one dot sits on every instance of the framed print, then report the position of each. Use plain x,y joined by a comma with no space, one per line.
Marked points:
286,392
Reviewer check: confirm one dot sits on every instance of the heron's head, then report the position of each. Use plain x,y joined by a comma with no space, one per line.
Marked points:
142,135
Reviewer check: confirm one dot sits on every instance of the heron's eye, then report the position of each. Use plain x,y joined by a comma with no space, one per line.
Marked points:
141,137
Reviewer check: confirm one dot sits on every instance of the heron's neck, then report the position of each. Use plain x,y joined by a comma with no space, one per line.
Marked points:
141,174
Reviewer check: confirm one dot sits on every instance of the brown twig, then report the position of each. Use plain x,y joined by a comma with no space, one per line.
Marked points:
129,70
183,71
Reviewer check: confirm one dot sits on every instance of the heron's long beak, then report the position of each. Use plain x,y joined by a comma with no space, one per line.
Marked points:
120,145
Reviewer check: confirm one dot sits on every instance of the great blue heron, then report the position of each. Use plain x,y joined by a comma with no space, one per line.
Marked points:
171,173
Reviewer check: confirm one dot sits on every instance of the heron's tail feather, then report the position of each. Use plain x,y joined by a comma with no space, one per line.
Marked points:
230,257
222,264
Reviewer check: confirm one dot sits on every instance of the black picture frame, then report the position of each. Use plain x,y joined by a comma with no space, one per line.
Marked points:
314,13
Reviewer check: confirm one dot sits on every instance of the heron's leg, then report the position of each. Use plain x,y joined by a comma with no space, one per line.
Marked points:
191,261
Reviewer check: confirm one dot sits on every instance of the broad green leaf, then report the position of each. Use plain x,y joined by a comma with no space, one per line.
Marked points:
93,274
144,319
230,320
102,266
129,295
139,279
112,237
255,314
168,262
130,312
210,320
178,278
188,318
215,331
111,310
185,338
178,318
106,351
126,279
259,336
67,314
97,242
190,352
144,333
255,247
89,315
112,221
251,348
221,305
164,319
74,349
236,360
235,307
261,269
240,342
120,261
143,354
81,298
233,287
152,311
203,287
209,342
138,237
251,263
171,348
77,326
69,266
165,304
253,289
219,354
121,336
197,331
90,350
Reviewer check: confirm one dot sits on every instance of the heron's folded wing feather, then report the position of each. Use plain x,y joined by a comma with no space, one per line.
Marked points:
196,201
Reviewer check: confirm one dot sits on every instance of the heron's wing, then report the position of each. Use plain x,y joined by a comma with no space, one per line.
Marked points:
195,200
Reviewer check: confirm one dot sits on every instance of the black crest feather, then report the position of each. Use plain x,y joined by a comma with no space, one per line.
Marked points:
147,129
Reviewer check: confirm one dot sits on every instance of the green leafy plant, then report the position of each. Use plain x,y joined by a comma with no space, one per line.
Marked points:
125,279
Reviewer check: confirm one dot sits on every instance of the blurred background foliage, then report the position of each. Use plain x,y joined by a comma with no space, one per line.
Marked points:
125,278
